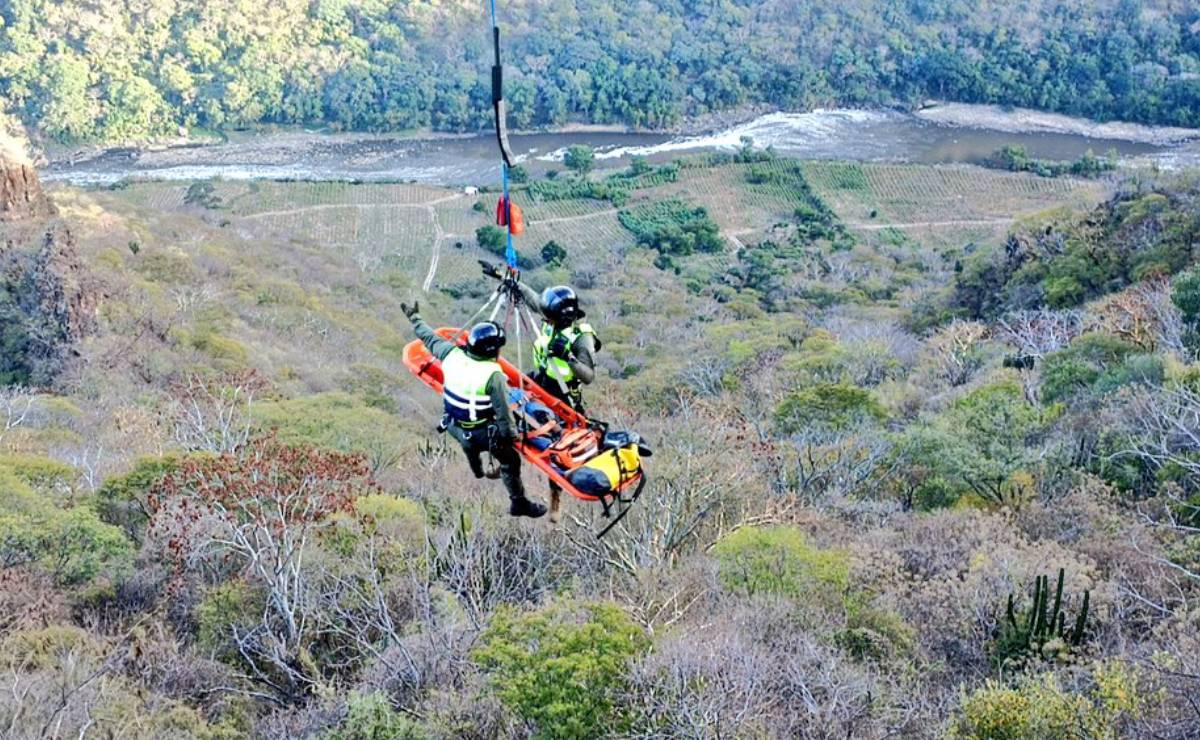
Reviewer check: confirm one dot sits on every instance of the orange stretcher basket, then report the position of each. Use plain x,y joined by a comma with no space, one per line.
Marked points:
578,432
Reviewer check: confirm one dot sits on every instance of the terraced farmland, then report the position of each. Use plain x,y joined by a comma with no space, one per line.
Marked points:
920,196
258,197
734,202
429,232
557,209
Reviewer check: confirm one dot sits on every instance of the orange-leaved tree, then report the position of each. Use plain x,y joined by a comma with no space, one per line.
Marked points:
256,511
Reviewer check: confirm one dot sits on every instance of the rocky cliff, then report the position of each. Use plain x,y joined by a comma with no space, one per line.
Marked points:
48,301
21,194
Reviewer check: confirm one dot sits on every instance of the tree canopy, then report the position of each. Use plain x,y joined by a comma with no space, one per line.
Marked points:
131,70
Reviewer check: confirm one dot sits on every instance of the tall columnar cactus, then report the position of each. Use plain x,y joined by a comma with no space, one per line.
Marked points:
1030,631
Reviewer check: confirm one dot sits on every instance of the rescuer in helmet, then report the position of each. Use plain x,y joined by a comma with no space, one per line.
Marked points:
475,398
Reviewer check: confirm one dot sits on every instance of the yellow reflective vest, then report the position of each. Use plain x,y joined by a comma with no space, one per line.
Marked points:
465,388
556,367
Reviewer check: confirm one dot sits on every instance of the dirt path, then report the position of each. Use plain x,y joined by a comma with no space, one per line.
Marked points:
436,252
441,236
921,224
335,206
733,236
565,219
438,237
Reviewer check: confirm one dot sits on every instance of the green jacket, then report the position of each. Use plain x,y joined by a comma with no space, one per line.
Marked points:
583,350
497,386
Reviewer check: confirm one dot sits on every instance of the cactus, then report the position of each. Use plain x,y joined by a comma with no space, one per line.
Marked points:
1025,634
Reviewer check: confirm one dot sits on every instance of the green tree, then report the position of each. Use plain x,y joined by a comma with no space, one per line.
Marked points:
985,443
491,238
1039,706
580,159
779,560
1185,294
564,667
829,405
69,112
122,500
553,254
135,109
1078,367
15,344
71,544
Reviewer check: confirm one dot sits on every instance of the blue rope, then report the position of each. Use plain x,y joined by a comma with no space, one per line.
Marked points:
510,252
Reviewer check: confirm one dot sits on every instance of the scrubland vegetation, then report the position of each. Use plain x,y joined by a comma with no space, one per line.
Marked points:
877,424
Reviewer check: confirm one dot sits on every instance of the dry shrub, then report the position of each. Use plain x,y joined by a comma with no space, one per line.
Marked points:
951,573
1172,657
262,509
659,598
469,710
491,562
697,490
430,657
61,682
1087,511
751,672
955,352
28,598
308,722
1128,553
160,663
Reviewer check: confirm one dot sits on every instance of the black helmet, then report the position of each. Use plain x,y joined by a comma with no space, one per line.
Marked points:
561,305
485,340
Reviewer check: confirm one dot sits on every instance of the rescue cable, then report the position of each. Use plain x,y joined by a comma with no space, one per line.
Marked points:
501,120
507,304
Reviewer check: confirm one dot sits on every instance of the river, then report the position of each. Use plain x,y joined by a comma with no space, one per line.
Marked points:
963,134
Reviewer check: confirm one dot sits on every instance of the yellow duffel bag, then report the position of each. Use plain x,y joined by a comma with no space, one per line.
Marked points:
610,470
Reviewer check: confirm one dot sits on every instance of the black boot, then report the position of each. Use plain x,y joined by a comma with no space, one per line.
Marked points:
525,507
510,472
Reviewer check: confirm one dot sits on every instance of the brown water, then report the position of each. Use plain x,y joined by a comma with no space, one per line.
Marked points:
844,135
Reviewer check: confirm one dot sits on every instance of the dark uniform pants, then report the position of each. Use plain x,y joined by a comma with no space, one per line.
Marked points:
480,440
573,397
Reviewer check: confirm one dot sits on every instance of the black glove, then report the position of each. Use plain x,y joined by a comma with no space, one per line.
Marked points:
560,347
410,311
490,270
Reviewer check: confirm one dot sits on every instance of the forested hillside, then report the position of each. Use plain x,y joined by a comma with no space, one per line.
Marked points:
85,71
